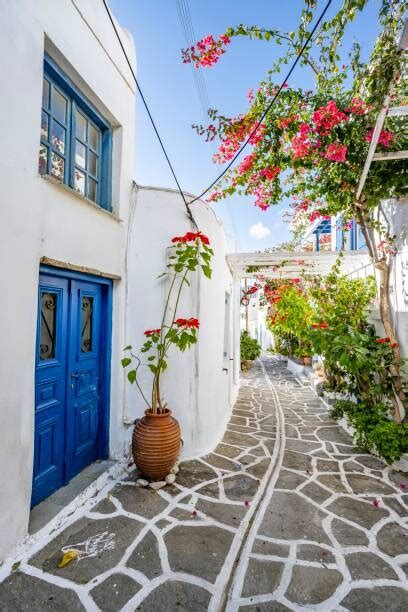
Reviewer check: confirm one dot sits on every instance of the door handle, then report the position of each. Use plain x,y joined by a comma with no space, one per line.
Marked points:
225,369
74,376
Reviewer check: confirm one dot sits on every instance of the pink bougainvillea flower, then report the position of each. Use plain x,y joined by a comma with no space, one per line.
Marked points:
246,164
327,117
336,152
301,144
285,122
152,332
386,137
188,323
207,52
314,215
270,173
252,290
357,107
382,340
257,136
214,196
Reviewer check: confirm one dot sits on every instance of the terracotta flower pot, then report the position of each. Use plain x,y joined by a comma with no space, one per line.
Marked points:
156,444
307,360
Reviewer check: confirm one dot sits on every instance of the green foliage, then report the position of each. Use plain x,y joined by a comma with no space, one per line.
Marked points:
250,347
292,318
373,430
354,360
284,343
332,315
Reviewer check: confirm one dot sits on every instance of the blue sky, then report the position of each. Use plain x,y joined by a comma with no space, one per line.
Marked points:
169,88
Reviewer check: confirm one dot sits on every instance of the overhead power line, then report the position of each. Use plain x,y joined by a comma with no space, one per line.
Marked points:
266,111
268,108
189,213
190,38
184,13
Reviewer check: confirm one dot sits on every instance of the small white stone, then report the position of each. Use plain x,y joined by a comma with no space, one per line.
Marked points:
170,478
142,482
175,469
157,485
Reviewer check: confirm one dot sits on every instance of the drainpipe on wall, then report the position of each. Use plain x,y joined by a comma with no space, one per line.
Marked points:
126,420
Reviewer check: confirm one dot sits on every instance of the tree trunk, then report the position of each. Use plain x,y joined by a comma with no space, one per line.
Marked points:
381,264
399,402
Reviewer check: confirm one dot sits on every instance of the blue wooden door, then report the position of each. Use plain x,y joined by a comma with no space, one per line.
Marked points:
70,411
50,387
83,423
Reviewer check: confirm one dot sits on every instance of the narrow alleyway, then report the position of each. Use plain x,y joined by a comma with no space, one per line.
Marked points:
286,514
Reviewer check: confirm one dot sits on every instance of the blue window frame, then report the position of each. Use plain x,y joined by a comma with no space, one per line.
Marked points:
76,142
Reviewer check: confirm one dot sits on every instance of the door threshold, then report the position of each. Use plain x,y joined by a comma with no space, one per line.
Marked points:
83,486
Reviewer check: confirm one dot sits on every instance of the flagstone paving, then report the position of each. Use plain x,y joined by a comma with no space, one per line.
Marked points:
285,514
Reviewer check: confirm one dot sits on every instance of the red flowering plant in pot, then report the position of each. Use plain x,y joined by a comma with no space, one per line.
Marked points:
156,437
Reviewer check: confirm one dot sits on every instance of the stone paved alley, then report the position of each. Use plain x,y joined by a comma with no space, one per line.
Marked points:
285,514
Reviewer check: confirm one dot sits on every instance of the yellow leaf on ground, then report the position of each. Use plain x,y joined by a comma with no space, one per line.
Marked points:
67,557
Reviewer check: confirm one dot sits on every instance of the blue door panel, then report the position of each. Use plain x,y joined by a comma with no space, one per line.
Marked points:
50,404
70,411
84,366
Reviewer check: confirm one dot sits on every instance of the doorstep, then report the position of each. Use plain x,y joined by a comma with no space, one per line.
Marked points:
49,508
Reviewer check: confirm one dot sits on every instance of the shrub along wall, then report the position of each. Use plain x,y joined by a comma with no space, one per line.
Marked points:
330,316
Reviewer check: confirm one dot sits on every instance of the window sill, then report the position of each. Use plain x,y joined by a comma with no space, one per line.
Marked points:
81,198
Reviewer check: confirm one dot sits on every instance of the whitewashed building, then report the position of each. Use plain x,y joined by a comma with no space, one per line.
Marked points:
80,251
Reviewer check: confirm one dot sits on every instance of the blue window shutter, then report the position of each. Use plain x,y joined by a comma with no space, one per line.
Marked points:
361,243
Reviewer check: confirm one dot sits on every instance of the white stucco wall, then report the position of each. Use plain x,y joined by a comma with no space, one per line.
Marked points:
196,387
396,212
38,218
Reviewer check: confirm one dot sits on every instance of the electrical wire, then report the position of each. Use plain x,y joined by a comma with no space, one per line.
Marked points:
189,213
186,22
187,204
266,111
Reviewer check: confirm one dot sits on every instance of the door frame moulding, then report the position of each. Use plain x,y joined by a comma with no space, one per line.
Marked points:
67,266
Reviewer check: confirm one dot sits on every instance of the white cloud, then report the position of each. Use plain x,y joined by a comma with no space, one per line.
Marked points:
259,231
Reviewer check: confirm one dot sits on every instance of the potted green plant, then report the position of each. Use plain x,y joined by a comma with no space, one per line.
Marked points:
156,437
250,350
